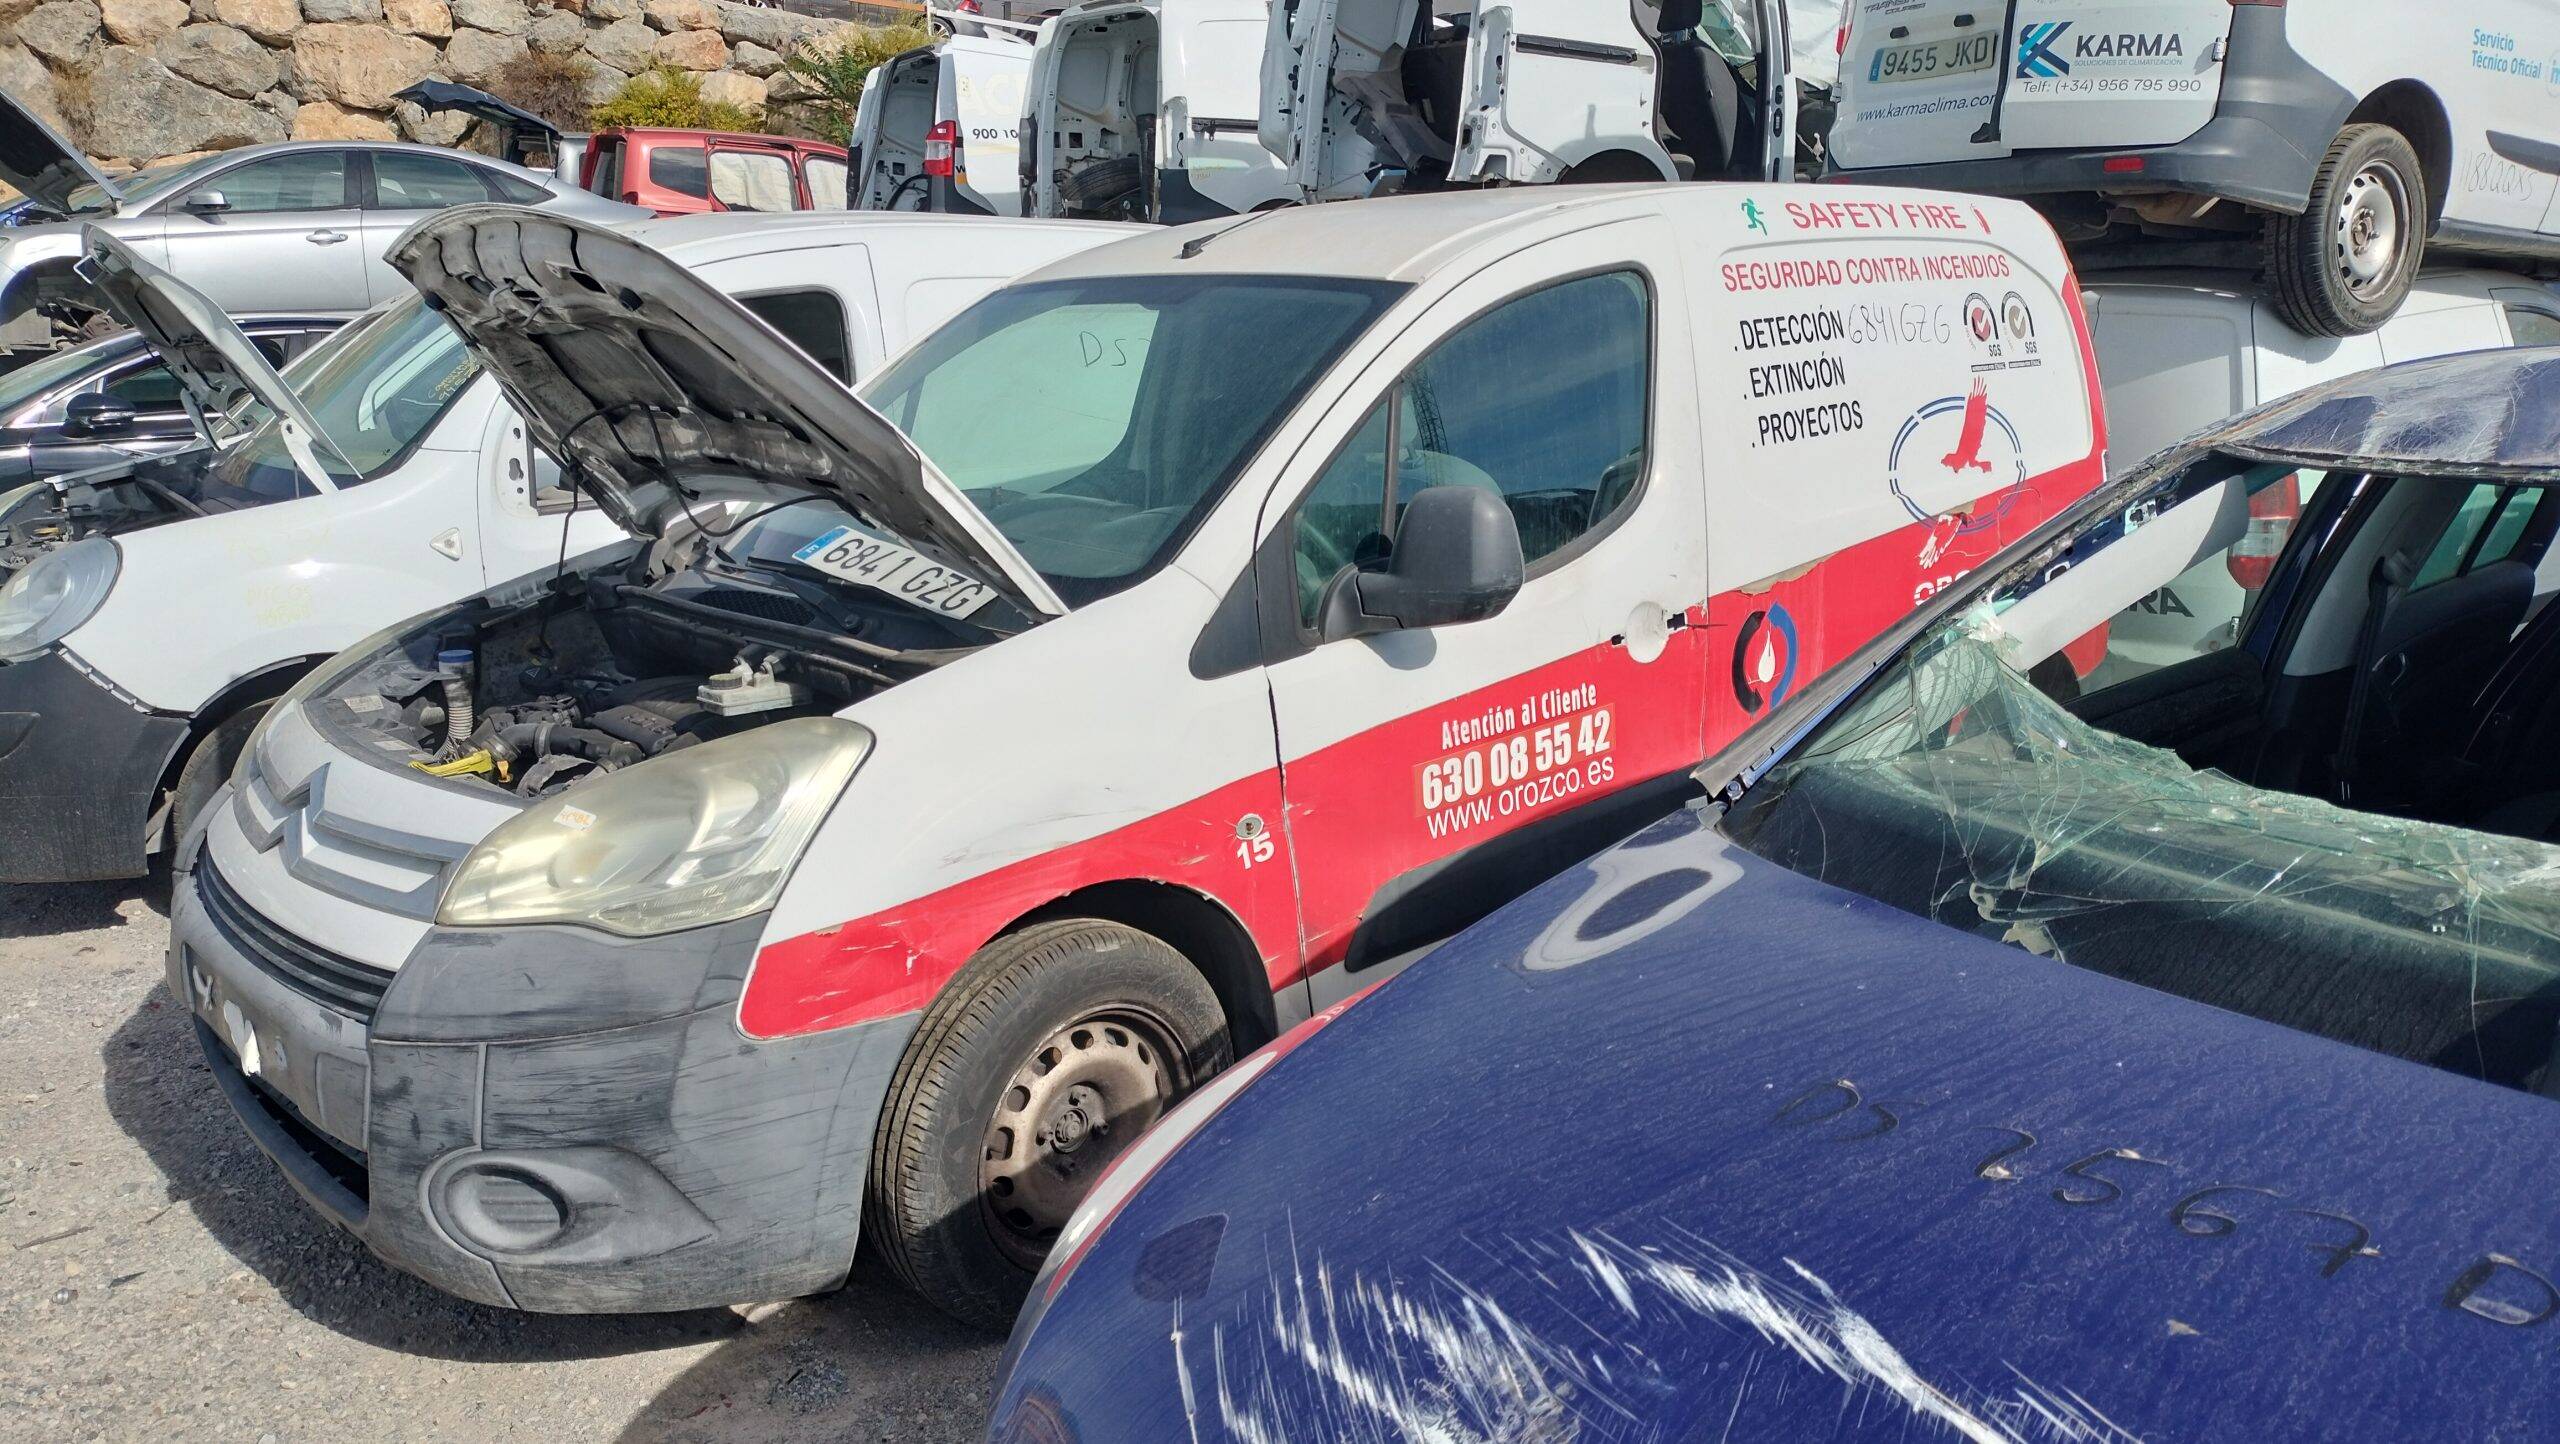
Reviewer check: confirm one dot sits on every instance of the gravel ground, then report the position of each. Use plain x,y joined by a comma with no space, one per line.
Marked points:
156,1275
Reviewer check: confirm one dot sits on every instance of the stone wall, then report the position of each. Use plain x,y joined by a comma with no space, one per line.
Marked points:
133,81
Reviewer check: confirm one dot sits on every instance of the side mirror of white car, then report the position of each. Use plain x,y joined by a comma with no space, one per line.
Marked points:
94,414
1456,559
208,203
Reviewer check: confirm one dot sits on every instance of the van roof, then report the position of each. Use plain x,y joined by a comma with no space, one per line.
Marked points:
690,235
1404,238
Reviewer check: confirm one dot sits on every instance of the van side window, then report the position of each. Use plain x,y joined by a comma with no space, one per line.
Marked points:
811,320
752,180
829,183
1544,400
686,170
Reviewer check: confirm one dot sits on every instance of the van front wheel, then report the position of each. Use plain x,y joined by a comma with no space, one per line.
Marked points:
2346,263
1032,1071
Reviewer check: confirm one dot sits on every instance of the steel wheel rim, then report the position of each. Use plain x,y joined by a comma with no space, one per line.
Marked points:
1073,1107
2372,224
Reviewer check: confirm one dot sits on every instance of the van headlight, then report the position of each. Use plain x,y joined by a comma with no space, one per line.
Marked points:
53,595
682,840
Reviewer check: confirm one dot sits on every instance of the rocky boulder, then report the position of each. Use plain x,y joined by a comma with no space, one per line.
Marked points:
219,56
674,15
28,82
625,45
556,33
695,50
322,12
728,87
430,18
503,17
272,21
475,56
138,108
754,59
429,127
139,22
61,31
360,66
776,30
323,120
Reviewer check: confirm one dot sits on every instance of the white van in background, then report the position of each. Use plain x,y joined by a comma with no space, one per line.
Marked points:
2183,350
1364,95
1148,110
938,127
2346,137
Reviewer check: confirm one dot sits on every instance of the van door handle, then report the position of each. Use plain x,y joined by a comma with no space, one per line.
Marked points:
325,238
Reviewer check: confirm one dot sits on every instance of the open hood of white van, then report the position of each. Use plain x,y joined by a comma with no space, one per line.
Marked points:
211,358
39,163
662,394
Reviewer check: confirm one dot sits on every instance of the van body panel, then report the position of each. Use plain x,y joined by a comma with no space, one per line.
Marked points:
2233,101
1801,541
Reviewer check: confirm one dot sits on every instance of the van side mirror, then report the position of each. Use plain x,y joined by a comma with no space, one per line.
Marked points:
208,203
1456,559
94,414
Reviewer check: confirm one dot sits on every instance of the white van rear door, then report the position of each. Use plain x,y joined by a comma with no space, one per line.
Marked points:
983,84
1544,78
1918,82
2108,74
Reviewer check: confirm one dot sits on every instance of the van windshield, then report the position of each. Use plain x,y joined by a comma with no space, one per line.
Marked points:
1093,422
375,392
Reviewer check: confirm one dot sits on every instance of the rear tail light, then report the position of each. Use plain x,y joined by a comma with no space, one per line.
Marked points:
942,149
2272,512
2123,165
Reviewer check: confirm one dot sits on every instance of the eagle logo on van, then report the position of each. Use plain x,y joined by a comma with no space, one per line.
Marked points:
1953,451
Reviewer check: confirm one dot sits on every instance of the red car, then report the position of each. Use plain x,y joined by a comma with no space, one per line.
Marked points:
678,172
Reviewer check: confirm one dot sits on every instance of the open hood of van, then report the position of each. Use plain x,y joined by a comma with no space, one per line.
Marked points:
211,358
660,393
39,163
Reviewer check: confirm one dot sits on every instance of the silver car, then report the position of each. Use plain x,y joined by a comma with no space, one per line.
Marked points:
300,226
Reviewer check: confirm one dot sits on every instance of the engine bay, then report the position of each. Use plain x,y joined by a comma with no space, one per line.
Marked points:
46,516
611,667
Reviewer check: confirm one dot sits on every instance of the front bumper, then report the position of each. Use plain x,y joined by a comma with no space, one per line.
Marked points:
80,767
541,1118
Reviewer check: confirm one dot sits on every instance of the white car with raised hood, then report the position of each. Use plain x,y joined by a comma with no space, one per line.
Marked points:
938,127
878,863
158,606
2335,143
1362,96
1143,110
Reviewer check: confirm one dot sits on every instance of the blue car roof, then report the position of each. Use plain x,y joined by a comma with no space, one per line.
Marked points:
2486,413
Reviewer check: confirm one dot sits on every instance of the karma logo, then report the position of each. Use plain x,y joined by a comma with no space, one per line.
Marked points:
2037,59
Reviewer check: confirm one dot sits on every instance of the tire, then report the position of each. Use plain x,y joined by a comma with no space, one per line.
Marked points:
2344,265
200,778
1103,185
959,1201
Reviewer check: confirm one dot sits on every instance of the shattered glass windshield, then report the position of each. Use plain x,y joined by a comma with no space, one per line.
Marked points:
1966,784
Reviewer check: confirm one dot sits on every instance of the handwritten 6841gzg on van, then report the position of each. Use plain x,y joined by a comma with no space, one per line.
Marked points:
1169,644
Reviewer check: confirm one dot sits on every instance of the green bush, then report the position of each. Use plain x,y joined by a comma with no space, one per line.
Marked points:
672,99
835,65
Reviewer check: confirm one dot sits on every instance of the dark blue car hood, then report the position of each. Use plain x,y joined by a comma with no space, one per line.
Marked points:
1685,1146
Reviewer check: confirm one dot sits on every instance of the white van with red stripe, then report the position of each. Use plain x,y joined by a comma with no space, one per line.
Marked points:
1173,642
